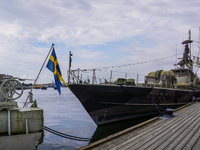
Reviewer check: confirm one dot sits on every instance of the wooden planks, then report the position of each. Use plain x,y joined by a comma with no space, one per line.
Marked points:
180,132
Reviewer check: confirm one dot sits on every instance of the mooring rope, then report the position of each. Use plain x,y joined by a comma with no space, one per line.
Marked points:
66,135
160,110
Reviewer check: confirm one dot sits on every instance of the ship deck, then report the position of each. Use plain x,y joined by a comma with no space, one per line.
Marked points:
179,132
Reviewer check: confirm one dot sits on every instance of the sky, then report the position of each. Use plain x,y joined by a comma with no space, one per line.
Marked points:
103,33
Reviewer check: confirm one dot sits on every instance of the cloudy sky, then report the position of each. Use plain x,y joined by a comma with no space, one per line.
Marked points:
99,33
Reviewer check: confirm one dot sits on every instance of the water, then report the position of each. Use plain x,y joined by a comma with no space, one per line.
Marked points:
64,113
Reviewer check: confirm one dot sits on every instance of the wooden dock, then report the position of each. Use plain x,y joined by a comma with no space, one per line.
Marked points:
180,132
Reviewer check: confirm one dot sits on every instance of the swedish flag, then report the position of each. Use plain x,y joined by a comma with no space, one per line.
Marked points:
53,66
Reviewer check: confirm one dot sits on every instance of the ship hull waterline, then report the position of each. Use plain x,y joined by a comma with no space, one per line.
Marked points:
112,103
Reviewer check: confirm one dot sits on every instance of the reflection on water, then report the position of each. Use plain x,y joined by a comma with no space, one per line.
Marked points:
106,130
65,114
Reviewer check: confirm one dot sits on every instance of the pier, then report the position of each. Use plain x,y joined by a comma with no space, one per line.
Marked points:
182,131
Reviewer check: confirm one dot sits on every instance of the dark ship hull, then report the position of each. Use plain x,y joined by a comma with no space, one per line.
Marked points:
111,103
161,90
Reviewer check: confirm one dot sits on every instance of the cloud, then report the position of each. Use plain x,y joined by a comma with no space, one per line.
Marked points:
99,33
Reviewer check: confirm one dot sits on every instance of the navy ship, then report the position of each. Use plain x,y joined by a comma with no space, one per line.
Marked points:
109,103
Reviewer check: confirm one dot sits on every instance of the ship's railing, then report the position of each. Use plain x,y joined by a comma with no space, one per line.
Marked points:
79,77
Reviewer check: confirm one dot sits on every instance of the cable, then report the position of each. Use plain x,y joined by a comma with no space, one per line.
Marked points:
66,135
125,65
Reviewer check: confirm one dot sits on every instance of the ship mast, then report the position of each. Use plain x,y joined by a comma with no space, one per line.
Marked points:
186,60
190,61
70,62
190,40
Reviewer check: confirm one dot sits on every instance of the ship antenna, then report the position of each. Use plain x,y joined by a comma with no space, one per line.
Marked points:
198,42
191,63
70,63
190,43
198,51
176,55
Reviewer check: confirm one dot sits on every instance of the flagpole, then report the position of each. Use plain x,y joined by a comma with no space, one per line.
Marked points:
38,75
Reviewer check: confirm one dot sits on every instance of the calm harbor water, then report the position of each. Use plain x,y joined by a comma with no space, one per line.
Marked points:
64,113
